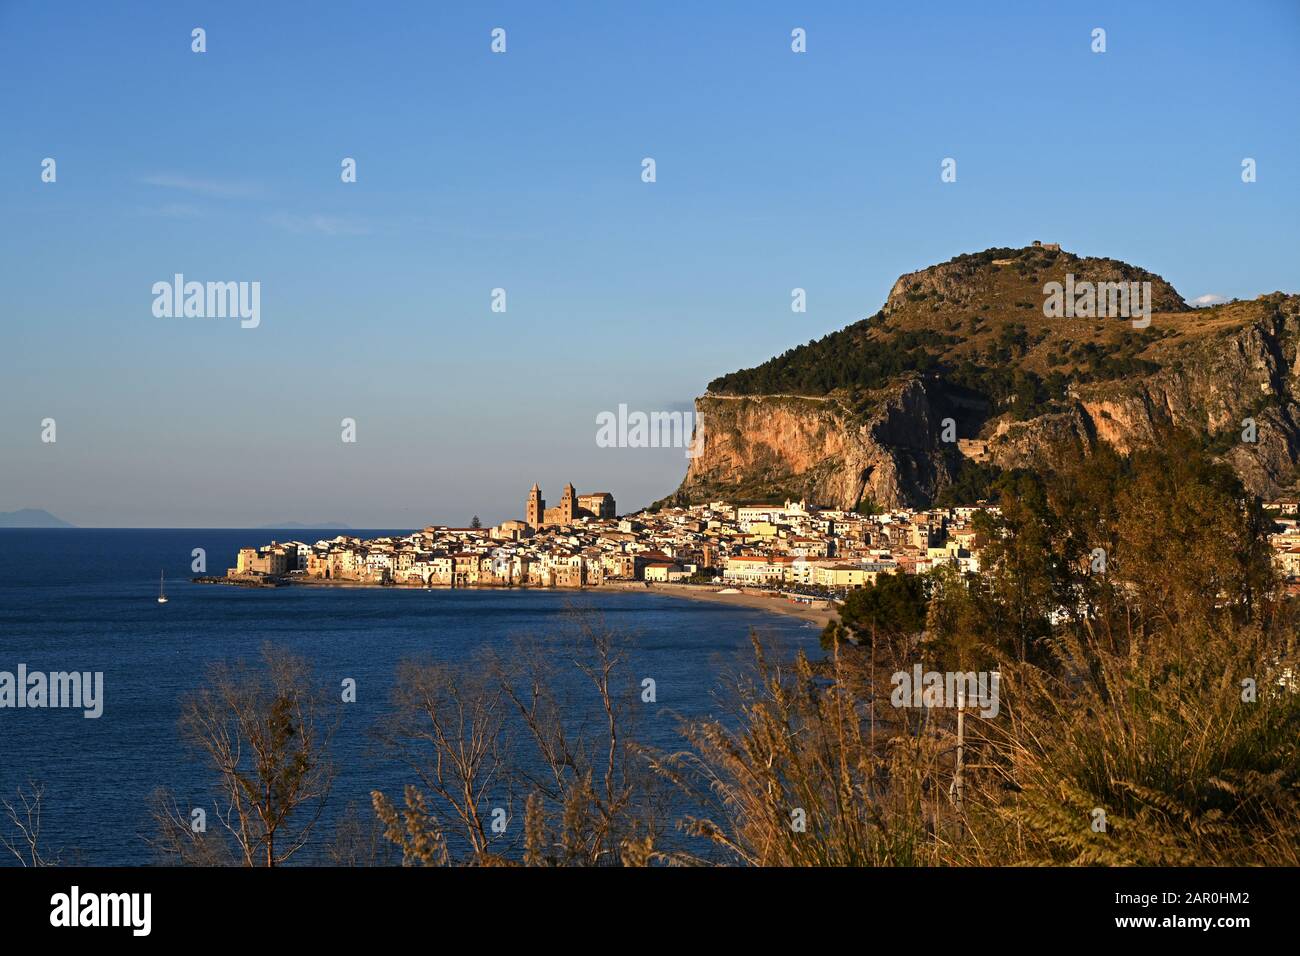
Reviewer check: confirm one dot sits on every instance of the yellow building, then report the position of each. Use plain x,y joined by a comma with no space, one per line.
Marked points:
842,576
665,571
273,561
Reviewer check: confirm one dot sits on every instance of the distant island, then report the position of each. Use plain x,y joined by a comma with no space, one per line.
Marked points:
32,518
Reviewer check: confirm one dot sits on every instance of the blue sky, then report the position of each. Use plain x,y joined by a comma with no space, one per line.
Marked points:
522,171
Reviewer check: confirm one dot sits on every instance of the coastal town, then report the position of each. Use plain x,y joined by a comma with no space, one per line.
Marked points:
580,542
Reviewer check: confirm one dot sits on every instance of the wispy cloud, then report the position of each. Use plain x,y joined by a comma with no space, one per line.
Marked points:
174,210
215,188
317,224
1202,301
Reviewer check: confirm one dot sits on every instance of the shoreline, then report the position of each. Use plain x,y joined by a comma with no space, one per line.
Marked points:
819,612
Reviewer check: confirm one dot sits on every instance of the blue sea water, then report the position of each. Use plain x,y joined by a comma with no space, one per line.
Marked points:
85,600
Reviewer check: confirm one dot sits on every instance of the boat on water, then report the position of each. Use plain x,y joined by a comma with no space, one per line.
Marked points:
162,594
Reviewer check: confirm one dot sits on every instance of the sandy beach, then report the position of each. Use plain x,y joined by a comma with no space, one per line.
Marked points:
818,612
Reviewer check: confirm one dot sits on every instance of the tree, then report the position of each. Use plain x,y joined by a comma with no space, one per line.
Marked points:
893,606
1023,569
23,814
488,735
958,621
1191,544
868,507
475,522
1121,544
973,482
448,727
265,733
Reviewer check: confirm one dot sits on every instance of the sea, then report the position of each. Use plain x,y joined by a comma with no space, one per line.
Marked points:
86,600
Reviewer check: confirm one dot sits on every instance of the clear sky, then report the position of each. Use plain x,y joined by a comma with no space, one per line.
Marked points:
522,171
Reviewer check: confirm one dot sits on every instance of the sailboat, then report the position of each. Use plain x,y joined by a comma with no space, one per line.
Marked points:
162,598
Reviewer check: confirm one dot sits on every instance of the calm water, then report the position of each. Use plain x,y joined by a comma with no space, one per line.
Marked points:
86,601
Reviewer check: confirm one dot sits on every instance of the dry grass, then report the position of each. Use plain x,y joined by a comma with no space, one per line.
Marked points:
1161,741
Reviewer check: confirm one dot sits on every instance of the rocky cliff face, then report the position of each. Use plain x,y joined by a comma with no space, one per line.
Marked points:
884,441
1213,387
774,447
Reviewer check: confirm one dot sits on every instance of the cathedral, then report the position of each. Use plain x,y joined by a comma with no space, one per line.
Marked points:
572,507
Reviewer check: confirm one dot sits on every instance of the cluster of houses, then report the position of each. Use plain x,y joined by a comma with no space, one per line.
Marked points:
1285,540
798,546
791,545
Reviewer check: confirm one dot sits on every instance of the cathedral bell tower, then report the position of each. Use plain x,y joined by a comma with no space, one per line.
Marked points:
535,507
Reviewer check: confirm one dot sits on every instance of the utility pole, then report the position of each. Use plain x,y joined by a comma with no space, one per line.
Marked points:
957,782
871,709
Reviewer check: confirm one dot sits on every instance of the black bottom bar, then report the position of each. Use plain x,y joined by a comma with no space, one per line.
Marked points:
504,905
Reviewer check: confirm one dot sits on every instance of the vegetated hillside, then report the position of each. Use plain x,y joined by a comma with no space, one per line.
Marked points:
857,418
